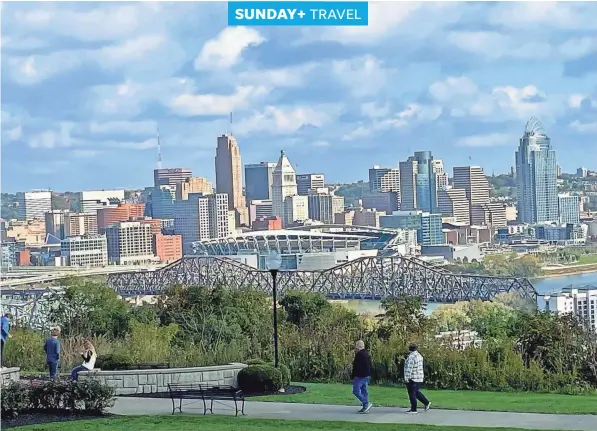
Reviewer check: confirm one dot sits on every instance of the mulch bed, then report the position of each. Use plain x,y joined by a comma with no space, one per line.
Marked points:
39,418
289,390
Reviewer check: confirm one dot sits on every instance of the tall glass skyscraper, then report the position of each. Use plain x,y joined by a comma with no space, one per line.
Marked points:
426,182
536,176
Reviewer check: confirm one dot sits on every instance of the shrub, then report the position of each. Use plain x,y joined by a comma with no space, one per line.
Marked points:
255,361
56,395
25,350
114,362
285,371
259,379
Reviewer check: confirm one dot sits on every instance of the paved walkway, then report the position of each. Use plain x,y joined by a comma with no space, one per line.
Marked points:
317,412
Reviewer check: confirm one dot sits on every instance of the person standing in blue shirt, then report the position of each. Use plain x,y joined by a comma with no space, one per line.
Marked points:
52,349
5,335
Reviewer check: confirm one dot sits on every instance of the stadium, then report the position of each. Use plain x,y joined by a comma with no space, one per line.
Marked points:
310,248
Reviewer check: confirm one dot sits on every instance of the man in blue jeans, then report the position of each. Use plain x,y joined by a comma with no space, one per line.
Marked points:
361,373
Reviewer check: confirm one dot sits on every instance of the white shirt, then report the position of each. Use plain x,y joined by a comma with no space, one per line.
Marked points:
89,365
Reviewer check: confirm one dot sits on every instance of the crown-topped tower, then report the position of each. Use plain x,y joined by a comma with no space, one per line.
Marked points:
283,184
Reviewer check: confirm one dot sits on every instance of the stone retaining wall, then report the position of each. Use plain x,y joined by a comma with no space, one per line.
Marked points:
9,374
153,381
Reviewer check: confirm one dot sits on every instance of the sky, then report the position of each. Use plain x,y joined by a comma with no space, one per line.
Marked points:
85,87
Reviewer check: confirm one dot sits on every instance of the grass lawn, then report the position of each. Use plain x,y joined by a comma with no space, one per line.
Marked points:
223,423
586,259
338,394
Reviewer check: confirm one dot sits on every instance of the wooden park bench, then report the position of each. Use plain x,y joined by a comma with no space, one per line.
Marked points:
205,393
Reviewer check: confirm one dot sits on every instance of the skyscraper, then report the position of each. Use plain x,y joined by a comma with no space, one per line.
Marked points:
34,205
408,193
384,179
258,181
536,176
474,182
283,184
306,182
419,182
229,177
170,176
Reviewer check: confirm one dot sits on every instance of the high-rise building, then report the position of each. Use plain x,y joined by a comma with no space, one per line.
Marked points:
536,176
90,201
55,223
80,224
258,181
296,209
86,251
259,209
193,185
440,174
454,203
123,212
428,226
491,214
322,207
384,179
229,176
283,184
161,202
34,204
130,243
167,248
387,202
170,177
408,192
306,182
568,208
473,181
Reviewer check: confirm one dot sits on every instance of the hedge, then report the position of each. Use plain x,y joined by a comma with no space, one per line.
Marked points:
260,379
56,395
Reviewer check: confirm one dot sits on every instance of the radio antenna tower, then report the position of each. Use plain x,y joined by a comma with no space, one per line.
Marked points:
159,151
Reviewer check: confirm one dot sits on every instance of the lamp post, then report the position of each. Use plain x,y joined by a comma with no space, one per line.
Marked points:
274,261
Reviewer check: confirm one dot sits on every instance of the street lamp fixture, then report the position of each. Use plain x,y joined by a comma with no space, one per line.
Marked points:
274,262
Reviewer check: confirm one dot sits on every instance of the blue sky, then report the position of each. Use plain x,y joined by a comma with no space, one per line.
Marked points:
85,85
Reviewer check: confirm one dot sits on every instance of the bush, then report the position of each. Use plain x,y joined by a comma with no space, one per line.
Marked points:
255,361
285,371
114,362
260,379
56,395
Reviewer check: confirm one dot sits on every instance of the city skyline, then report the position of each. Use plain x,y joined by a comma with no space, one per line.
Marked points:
81,101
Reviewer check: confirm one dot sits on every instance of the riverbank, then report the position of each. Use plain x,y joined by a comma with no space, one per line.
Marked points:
567,270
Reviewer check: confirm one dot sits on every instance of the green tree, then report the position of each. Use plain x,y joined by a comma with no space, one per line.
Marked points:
404,317
451,317
304,307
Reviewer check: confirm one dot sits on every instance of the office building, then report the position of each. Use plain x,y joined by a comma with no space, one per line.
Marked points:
492,214
441,178
569,208
283,185
259,209
161,202
307,182
54,221
454,203
473,181
167,248
536,176
427,225
384,179
322,207
582,172
80,224
85,251
259,181
193,185
170,177
130,243
229,176
386,202
419,180
120,213
408,195
296,209
90,201
267,223
34,204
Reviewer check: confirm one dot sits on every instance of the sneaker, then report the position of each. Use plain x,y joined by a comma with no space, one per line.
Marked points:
428,406
362,410
412,412
366,410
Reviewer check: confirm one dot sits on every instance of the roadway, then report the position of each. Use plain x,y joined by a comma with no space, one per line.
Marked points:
25,278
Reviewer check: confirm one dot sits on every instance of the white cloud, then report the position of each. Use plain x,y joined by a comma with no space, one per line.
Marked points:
575,100
49,139
294,76
132,145
489,140
286,120
124,127
216,104
361,76
85,154
453,88
227,48
14,134
584,127
128,51
372,110
546,15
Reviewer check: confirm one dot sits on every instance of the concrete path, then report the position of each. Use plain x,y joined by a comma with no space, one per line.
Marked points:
318,412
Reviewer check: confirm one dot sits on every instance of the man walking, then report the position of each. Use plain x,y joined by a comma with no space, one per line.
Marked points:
361,373
413,376
4,335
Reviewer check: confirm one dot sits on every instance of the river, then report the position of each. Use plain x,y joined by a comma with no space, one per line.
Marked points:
542,285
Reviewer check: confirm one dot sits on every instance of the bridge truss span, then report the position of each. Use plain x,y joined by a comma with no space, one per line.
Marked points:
363,278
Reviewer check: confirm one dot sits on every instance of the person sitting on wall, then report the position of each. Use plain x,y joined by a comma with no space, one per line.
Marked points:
89,357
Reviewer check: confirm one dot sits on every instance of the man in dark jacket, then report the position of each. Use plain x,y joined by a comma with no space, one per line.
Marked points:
361,373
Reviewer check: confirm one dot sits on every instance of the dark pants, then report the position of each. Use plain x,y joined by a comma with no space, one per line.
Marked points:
53,366
415,394
75,372
360,389
2,354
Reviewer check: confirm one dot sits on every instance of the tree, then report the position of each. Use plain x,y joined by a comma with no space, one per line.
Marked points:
304,307
404,318
87,307
491,319
451,317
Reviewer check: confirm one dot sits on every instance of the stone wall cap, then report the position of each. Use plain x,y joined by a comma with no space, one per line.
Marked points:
11,370
233,366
